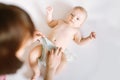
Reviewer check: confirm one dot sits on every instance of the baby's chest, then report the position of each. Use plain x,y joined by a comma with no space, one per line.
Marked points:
64,29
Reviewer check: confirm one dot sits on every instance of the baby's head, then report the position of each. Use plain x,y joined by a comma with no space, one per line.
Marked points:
77,16
16,29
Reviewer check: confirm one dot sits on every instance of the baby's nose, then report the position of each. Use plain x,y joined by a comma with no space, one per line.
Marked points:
73,18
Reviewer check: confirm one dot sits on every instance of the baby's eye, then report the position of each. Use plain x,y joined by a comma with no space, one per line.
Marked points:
78,19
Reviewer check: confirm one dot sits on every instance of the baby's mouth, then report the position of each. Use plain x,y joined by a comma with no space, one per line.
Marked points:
71,21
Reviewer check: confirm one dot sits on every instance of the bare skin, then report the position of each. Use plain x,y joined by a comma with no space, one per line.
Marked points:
53,61
63,31
68,29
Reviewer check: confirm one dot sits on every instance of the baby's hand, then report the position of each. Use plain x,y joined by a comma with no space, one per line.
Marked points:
49,9
92,35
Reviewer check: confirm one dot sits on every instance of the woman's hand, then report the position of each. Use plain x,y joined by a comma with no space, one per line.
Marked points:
54,58
37,35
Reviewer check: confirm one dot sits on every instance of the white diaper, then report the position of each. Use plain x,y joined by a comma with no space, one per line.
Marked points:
47,45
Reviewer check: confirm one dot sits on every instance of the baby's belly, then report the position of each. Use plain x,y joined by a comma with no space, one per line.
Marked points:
59,42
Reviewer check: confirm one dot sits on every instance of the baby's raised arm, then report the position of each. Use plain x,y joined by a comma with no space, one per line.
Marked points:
52,23
81,41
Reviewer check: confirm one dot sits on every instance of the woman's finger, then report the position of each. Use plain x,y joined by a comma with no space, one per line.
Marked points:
60,51
56,51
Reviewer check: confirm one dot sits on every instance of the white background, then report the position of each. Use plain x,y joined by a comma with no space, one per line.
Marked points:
99,60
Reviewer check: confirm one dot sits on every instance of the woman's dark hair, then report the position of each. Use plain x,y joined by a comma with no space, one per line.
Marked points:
15,24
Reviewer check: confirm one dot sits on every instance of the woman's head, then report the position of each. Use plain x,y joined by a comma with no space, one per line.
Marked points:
16,28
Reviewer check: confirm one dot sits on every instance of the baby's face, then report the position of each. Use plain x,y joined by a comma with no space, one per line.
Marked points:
76,17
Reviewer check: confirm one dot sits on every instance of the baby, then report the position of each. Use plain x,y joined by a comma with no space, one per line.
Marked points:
62,32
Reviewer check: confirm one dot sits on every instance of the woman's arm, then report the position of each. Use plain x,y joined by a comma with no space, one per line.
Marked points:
53,60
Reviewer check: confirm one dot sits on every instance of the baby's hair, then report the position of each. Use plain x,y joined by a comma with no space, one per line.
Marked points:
15,26
82,9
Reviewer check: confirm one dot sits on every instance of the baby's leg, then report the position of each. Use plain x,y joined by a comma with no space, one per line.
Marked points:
33,60
62,64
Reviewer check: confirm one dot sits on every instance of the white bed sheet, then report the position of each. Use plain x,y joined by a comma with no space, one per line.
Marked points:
99,60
